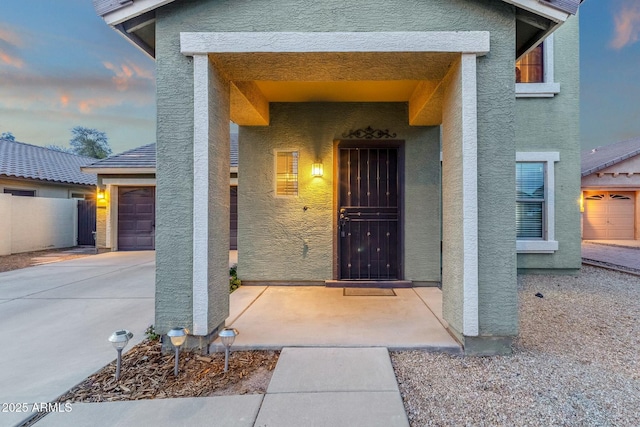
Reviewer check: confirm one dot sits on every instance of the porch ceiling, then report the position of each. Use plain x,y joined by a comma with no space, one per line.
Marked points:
260,78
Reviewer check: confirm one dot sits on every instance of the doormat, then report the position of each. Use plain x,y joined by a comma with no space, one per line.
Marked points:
368,292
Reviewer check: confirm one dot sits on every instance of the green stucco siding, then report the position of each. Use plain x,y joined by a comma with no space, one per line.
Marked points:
278,240
552,124
311,260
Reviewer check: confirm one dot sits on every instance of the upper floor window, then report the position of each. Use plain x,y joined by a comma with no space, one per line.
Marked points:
530,68
534,72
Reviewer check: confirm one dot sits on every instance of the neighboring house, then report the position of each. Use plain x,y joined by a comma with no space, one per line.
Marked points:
126,198
381,142
34,171
611,192
45,201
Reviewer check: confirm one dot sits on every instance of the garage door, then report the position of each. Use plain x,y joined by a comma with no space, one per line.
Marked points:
136,218
608,215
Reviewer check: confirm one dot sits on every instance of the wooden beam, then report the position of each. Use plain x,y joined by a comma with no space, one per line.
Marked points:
249,106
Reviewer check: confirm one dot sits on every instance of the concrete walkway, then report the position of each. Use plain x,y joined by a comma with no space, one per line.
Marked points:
331,387
622,253
56,319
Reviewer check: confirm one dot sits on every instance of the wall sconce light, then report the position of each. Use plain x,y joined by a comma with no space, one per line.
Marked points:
100,195
317,169
581,202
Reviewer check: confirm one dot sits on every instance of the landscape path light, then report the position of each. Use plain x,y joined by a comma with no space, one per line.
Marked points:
119,339
227,336
178,337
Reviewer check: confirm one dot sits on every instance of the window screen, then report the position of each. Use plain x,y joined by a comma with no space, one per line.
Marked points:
287,173
530,200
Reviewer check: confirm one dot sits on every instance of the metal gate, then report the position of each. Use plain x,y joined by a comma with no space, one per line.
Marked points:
86,222
369,213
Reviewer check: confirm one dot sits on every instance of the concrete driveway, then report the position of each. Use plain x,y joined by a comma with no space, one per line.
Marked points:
55,320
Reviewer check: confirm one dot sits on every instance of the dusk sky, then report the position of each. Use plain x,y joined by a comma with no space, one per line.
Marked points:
61,66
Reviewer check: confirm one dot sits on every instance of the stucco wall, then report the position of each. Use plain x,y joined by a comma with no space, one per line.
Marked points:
552,124
279,241
496,153
36,223
61,191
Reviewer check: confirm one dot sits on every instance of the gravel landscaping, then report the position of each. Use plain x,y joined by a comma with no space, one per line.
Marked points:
575,363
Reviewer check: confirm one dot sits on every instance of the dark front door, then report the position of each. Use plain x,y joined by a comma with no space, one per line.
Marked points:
136,218
369,213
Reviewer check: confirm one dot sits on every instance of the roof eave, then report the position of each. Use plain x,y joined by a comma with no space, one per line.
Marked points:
132,10
610,163
116,171
543,9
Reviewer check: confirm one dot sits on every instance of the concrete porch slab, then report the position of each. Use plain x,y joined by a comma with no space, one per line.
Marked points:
333,370
310,316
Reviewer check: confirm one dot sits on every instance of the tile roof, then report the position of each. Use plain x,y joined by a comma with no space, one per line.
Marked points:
21,160
608,155
145,157
140,157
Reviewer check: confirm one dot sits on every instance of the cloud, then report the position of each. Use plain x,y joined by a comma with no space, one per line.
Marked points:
11,37
10,41
126,73
11,60
627,26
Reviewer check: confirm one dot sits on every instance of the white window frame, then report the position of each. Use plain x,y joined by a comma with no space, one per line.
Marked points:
549,88
548,244
275,172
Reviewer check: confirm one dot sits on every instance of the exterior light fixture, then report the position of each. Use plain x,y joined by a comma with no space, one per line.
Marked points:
317,169
119,339
227,336
100,195
178,336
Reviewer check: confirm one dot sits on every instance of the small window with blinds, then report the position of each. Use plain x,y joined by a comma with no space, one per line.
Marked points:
530,200
286,173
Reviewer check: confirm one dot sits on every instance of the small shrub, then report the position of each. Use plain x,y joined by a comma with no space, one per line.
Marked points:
234,282
151,334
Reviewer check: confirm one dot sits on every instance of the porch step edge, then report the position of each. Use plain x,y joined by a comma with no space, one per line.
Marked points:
368,283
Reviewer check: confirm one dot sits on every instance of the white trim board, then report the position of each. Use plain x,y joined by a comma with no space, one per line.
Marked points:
470,194
200,230
477,42
129,181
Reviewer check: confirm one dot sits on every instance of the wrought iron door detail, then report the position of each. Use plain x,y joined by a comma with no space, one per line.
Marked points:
369,133
368,213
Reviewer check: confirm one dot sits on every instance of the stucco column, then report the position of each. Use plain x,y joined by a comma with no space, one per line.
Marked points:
210,199
459,198
192,197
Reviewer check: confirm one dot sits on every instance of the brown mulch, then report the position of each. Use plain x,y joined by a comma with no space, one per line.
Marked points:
27,259
148,374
